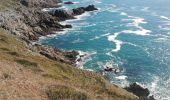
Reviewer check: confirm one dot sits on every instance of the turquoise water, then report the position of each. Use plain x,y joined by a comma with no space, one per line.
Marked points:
131,34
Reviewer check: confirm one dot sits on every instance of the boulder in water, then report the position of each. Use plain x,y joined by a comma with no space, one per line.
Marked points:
90,8
68,2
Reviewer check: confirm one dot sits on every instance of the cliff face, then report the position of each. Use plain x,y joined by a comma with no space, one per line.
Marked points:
28,21
25,71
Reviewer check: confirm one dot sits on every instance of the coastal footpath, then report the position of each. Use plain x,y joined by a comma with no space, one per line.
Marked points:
30,71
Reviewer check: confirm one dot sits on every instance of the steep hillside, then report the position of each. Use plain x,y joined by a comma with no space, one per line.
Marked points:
28,75
25,74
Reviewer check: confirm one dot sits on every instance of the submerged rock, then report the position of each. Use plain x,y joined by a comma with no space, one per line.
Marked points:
68,2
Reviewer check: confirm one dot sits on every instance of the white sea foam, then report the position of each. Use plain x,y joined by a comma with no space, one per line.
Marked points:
112,8
109,54
138,32
154,84
98,1
80,17
76,2
83,58
98,37
89,70
117,42
123,77
136,21
123,14
121,81
130,44
164,17
161,38
145,9
77,41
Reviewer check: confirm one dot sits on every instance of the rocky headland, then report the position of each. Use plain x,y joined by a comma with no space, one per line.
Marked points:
26,20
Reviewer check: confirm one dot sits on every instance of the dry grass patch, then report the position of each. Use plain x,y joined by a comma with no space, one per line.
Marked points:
66,93
28,64
4,4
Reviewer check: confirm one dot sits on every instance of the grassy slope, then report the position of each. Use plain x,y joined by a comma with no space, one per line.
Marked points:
27,75
16,61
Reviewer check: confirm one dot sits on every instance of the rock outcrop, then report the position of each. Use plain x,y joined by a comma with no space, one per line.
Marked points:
65,15
81,10
142,93
56,54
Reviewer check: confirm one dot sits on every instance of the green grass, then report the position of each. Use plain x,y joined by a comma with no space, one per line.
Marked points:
4,49
27,63
66,93
30,65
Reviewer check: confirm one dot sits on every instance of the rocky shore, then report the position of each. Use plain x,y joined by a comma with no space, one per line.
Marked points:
29,22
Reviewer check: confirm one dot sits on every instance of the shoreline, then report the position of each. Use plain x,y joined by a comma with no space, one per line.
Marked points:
52,53
130,86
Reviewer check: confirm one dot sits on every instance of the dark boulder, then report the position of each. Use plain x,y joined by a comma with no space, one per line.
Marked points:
24,2
63,14
68,2
142,93
78,11
81,10
138,90
147,98
90,8
72,55
68,26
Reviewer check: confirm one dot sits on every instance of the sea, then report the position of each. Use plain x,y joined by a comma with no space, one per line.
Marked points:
132,35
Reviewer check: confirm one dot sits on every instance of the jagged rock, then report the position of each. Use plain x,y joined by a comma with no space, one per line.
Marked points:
138,90
78,11
63,14
72,55
142,93
81,10
56,54
147,98
90,8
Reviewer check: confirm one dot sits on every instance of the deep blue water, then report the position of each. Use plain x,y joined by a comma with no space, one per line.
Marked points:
131,34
